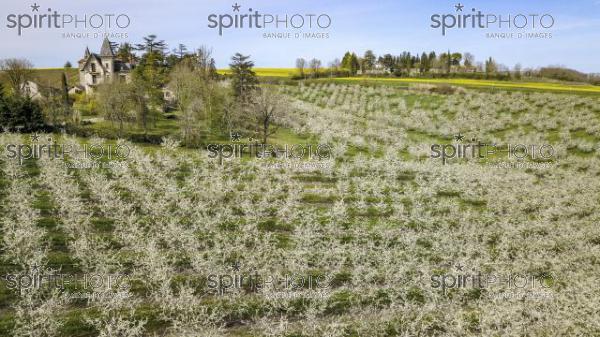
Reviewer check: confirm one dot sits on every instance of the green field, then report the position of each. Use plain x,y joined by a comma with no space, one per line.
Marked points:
550,86
51,76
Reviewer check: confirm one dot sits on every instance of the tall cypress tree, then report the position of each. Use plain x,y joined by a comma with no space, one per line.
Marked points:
65,97
65,89
354,64
4,116
424,63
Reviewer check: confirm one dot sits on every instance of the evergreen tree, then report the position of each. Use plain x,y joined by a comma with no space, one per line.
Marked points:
346,61
388,62
456,58
424,64
432,56
3,107
212,69
490,66
125,53
406,61
180,51
65,89
21,113
369,60
152,45
354,64
244,81
66,102
148,79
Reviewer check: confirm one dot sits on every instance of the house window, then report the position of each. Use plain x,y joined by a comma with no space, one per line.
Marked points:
93,67
107,67
94,79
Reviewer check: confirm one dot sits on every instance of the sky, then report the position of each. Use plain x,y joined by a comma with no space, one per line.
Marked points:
384,26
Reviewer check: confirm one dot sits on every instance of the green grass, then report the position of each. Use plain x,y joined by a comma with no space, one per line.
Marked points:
171,127
51,77
162,127
543,86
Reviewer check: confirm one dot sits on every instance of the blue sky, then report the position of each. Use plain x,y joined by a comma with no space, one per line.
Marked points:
383,26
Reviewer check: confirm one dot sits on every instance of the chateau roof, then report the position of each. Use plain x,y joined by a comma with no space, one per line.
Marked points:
93,56
105,52
106,49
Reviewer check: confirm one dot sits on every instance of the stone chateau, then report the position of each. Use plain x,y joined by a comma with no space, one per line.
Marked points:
105,67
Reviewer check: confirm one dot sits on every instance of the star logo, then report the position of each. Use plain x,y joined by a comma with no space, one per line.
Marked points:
459,137
35,137
236,266
236,7
459,267
236,137
35,7
459,7
35,268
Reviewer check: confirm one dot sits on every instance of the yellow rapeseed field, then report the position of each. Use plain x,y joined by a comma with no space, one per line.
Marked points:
553,86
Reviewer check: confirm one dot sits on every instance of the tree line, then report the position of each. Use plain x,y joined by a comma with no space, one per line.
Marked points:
431,64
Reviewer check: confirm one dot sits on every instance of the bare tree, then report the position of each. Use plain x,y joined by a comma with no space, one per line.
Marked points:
114,102
187,84
208,71
469,60
269,107
315,66
517,71
204,56
18,72
300,65
334,66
